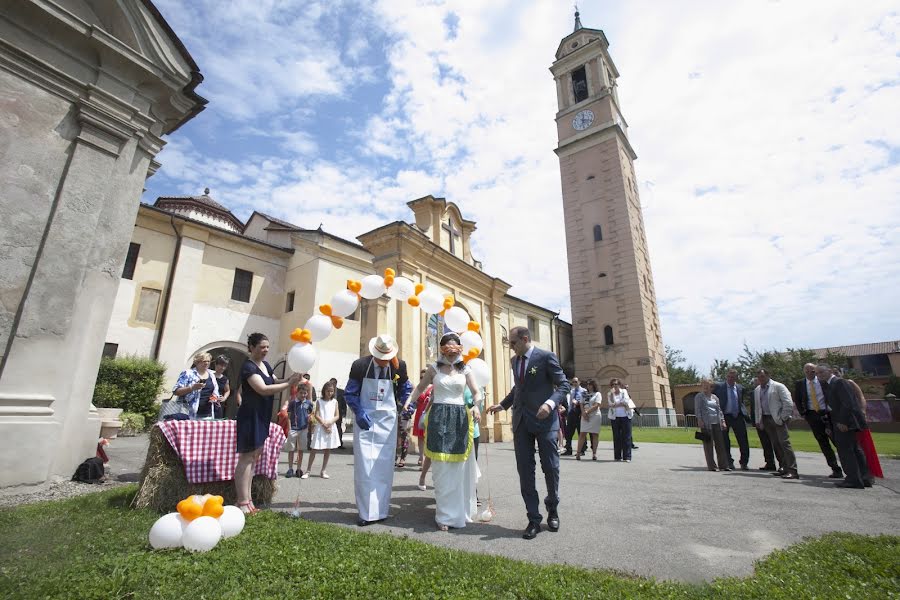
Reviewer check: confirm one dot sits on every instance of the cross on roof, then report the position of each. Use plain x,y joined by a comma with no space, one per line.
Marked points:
452,233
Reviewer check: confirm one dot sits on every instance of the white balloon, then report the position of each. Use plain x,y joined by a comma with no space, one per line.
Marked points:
470,340
456,319
344,303
372,287
202,534
301,357
232,521
167,531
319,327
431,302
402,290
481,372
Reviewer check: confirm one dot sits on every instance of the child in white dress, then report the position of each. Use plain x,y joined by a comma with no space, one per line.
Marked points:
325,437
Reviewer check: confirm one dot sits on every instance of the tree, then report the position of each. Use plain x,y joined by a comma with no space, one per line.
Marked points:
678,374
784,367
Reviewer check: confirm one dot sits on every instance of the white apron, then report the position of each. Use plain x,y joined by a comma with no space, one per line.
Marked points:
373,450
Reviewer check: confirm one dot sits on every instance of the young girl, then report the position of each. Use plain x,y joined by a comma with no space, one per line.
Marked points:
325,436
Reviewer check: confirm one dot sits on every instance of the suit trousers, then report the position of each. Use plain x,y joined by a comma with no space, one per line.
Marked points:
768,450
781,442
717,440
738,426
573,424
621,429
818,423
523,442
856,470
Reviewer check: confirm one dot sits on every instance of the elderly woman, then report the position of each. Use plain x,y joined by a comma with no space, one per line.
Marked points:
590,418
621,410
258,388
711,423
195,387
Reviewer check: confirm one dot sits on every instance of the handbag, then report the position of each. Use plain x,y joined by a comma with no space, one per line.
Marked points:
702,435
173,406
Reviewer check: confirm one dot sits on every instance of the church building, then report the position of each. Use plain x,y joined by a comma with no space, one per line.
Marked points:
197,279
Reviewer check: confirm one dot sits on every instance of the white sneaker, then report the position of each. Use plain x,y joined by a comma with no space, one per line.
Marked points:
305,475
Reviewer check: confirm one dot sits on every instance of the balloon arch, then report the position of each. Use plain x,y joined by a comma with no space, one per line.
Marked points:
302,355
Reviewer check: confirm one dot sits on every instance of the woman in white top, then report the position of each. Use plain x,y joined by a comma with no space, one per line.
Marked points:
449,429
590,418
621,409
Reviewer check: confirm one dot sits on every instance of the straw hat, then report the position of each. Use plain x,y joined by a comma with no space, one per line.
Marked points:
383,347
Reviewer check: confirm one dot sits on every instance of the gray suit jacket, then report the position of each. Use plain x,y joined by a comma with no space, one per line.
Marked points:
542,373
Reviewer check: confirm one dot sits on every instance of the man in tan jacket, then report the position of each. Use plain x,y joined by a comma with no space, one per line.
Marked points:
774,409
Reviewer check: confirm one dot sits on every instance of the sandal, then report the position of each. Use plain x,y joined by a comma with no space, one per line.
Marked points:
594,457
577,457
249,510
443,528
401,464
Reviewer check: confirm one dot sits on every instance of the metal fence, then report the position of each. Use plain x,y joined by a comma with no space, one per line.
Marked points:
657,420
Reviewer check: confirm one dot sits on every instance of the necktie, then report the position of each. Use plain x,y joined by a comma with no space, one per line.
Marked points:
812,396
522,361
732,408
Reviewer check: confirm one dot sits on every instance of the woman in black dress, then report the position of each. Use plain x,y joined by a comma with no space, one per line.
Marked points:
258,389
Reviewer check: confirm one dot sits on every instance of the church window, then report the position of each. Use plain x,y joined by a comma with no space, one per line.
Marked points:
243,282
289,304
534,329
131,261
110,350
598,233
608,335
434,331
579,84
148,305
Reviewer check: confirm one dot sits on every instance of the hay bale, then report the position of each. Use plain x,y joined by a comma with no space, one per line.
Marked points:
163,482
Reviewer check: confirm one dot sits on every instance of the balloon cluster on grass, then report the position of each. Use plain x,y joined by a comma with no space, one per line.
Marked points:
199,524
302,356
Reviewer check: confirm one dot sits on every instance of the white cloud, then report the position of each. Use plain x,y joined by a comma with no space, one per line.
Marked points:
767,137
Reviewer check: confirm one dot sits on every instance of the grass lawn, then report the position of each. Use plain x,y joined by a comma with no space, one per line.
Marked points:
95,547
887,444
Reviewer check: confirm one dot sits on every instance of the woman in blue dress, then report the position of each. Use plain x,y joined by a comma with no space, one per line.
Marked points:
258,389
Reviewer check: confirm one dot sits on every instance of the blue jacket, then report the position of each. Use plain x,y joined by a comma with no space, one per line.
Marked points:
544,380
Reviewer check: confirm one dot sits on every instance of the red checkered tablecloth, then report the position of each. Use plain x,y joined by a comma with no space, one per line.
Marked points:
208,449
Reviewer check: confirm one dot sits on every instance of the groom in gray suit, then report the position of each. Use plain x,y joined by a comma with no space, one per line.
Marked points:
539,387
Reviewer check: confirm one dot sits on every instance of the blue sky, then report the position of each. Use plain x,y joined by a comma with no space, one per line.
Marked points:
767,136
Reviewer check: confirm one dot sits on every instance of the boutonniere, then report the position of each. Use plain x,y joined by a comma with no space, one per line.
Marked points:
533,370
396,378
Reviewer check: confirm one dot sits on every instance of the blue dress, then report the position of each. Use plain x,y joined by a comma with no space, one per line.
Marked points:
255,413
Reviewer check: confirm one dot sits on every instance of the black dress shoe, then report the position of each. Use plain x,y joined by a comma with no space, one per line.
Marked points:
869,482
566,453
790,476
847,484
745,468
553,522
531,531
768,468
778,473
836,474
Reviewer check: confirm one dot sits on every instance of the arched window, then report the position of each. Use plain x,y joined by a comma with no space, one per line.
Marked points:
598,233
608,335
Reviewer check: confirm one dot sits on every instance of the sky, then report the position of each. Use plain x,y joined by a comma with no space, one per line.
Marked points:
767,135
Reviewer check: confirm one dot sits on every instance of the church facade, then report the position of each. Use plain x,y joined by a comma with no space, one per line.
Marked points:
614,311
197,279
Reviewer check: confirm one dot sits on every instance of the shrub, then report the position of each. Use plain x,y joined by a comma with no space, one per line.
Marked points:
131,383
132,423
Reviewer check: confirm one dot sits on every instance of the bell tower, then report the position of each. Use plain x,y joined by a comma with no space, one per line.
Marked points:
615,321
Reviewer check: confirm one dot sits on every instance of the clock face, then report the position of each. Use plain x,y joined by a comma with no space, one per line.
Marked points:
583,120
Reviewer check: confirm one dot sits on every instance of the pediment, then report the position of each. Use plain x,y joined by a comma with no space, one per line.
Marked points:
579,39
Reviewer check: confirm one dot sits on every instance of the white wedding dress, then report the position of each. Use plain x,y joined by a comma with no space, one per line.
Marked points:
454,482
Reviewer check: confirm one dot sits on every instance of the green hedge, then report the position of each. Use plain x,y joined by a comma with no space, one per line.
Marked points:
131,383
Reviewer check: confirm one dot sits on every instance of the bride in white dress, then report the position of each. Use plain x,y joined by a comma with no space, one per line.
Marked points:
449,426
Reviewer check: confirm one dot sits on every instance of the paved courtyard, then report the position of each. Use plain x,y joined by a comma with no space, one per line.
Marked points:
662,515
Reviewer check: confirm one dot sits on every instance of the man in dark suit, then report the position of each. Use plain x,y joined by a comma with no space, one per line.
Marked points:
809,396
573,416
730,394
847,419
535,419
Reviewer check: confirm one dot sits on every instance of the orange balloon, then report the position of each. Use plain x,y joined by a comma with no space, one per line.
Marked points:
473,326
305,336
419,288
388,280
213,507
448,302
337,322
297,334
189,509
413,301
389,272
325,309
354,286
